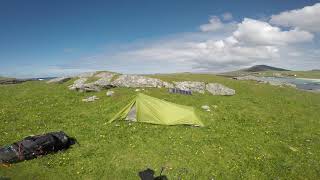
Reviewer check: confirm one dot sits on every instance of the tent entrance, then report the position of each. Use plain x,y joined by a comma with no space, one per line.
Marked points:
132,115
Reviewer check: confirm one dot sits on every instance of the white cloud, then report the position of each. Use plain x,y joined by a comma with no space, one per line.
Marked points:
257,32
217,25
251,42
306,18
219,46
213,25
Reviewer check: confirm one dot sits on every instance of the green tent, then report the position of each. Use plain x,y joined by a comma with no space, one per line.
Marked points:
148,109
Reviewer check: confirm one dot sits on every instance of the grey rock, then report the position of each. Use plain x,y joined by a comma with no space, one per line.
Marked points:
110,93
280,83
59,80
81,85
105,80
104,83
78,84
90,99
137,81
205,107
90,87
191,86
219,89
11,81
264,80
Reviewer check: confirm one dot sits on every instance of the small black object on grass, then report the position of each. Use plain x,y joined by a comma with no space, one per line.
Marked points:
148,174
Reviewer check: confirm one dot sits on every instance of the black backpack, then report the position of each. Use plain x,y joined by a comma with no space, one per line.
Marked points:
35,146
148,174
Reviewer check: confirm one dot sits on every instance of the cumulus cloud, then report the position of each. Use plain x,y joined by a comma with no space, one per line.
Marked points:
306,18
253,41
262,33
220,45
213,25
217,24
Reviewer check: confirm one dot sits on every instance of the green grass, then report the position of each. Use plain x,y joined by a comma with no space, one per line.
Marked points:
263,132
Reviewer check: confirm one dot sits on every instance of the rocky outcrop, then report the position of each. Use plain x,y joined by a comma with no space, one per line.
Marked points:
59,80
279,83
193,86
103,83
11,81
136,81
90,87
219,89
105,79
273,82
78,84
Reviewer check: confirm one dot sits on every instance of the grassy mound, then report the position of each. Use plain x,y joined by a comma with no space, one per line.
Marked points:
263,132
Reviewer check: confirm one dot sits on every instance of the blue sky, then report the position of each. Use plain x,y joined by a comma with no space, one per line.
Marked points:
53,38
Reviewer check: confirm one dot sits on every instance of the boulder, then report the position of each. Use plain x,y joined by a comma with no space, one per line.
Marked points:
90,99
110,93
78,84
193,86
205,107
59,80
103,83
136,81
89,87
219,89
81,85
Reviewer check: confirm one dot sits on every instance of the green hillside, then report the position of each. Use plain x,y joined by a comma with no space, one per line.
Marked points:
262,132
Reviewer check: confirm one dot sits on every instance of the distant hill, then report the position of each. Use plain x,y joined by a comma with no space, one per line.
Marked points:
259,68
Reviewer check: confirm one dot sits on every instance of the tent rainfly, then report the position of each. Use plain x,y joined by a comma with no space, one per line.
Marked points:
148,109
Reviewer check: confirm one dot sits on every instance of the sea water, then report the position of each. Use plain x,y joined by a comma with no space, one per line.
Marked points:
301,83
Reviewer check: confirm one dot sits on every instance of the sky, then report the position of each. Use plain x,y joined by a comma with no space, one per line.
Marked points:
40,38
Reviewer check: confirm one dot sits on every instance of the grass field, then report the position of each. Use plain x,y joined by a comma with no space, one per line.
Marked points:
263,132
